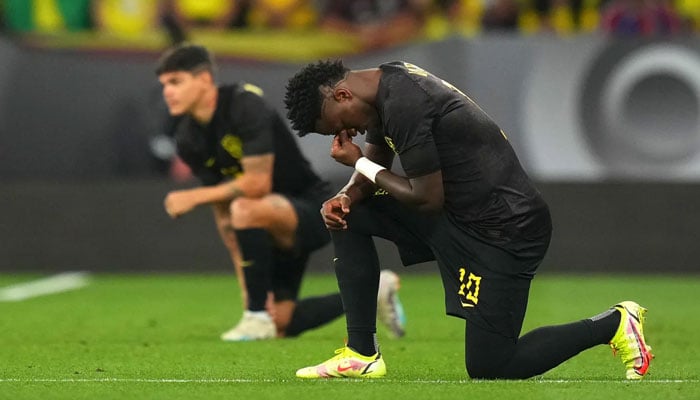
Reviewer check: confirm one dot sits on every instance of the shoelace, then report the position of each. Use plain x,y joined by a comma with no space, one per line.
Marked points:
339,353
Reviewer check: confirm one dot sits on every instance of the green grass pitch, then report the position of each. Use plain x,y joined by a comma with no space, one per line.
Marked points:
157,337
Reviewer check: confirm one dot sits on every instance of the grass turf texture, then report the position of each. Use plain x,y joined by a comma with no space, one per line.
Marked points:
156,337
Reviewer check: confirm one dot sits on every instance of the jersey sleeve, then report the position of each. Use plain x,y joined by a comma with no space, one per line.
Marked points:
420,160
253,123
410,115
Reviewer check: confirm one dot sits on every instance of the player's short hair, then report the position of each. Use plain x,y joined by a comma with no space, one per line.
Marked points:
185,57
303,98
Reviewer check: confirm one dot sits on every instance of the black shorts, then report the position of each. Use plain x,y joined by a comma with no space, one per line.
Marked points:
482,283
311,235
485,284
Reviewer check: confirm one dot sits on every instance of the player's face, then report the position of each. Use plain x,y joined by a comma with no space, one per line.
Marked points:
182,90
342,114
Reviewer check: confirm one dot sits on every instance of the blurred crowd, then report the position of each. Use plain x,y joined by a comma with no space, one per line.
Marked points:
377,23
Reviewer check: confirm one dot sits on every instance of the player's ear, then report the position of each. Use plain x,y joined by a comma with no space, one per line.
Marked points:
205,76
342,94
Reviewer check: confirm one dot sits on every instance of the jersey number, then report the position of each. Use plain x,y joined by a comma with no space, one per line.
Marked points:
469,289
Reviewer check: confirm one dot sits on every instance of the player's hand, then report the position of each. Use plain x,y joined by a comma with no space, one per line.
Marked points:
344,150
334,211
178,203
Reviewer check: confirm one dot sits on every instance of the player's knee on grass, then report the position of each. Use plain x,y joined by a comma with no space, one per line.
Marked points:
477,369
488,354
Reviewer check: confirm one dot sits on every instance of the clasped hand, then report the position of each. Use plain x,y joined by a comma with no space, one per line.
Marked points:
334,211
344,150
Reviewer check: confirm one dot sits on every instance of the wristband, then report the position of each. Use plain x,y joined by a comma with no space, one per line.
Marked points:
368,168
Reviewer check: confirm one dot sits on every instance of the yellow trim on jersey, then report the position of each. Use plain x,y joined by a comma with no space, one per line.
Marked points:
390,143
249,87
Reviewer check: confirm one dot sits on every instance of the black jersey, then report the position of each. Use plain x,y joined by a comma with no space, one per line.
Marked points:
243,125
432,126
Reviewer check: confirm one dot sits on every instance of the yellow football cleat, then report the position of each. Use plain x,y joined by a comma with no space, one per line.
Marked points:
629,340
346,364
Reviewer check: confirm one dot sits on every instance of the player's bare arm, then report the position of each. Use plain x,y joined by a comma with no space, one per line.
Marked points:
255,181
424,193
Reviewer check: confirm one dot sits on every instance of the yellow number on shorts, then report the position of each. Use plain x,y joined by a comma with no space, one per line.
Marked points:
469,290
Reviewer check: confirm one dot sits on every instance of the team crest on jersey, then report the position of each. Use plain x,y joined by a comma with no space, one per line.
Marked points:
390,143
232,145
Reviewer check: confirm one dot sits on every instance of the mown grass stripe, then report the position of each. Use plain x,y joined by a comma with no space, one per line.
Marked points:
58,283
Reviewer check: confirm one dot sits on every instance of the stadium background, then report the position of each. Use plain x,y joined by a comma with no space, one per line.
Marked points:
609,129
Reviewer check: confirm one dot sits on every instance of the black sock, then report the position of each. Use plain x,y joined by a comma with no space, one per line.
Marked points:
357,271
257,248
604,325
313,312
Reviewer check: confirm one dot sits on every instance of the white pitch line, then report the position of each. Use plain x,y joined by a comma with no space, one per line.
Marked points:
420,381
58,283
